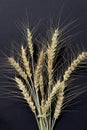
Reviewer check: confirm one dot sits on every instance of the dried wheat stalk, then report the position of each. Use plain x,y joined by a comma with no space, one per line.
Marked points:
50,98
29,39
74,64
25,93
51,54
66,76
17,68
43,95
26,62
38,70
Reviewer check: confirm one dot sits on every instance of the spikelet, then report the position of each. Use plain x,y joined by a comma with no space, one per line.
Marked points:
74,64
50,98
25,93
29,40
25,62
17,68
51,54
38,70
59,101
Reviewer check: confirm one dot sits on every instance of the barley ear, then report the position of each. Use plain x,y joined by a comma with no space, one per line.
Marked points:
25,62
25,93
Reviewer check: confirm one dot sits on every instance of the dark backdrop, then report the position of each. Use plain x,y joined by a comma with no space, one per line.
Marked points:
16,115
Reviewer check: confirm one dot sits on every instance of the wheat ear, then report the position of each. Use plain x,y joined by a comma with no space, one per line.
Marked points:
59,101
30,43
26,62
51,54
54,42
67,74
38,70
50,98
17,68
25,93
42,91
74,64
41,86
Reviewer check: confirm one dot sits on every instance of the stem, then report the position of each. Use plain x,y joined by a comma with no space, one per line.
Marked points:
53,123
32,65
40,121
41,125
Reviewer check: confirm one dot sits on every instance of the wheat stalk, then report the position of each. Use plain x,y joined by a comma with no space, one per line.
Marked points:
44,93
25,93
41,86
38,70
51,54
26,62
50,97
60,101
30,43
17,68
66,76
74,64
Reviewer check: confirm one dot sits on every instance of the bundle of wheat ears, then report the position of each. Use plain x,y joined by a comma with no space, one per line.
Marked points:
44,91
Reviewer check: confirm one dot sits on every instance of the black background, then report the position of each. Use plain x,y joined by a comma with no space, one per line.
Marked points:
15,115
